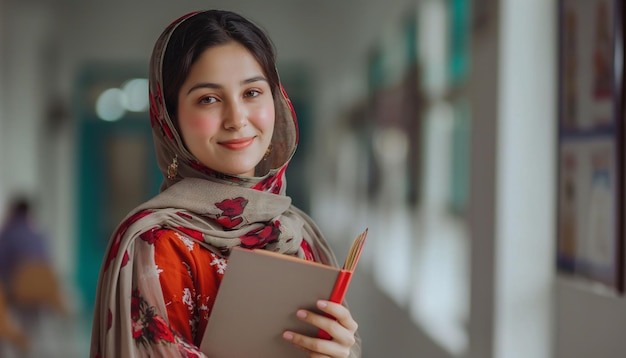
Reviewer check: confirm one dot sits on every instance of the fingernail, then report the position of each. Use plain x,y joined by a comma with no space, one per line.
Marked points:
288,336
322,304
301,314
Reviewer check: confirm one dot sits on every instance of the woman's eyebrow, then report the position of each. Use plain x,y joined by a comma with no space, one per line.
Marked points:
212,85
204,85
254,79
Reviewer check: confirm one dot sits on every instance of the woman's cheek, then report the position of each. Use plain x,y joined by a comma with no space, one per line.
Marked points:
202,124
265,118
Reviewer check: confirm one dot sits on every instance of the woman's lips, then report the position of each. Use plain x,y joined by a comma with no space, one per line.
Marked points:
238,144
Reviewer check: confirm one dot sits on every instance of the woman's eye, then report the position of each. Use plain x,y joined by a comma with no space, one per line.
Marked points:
252,93
208,100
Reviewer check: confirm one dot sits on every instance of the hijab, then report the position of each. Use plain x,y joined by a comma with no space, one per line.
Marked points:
217,210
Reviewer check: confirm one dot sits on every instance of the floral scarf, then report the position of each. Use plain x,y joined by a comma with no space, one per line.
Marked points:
218,211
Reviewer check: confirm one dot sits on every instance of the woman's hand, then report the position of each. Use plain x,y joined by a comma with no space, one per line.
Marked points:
341,329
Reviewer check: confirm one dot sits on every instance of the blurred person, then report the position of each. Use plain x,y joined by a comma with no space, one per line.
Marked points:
27,278
20,239
224,133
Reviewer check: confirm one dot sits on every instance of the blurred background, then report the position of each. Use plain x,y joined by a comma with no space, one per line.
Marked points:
432,122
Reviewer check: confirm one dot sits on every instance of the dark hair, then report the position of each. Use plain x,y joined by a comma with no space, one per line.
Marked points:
202,31
19,206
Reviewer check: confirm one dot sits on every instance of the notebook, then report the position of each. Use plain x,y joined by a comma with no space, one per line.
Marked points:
259,296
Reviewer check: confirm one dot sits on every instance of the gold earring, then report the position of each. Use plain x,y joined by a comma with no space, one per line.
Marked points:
267,152
172,169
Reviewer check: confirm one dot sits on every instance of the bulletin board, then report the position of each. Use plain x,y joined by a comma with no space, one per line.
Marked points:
590,240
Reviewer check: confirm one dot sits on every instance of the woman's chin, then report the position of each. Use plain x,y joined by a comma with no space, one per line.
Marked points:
241,171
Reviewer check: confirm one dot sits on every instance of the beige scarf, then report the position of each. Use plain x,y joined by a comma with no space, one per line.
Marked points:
218,211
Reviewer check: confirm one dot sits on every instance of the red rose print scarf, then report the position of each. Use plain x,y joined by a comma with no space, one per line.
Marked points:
218,211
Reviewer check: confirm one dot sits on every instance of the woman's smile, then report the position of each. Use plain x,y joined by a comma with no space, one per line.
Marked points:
237,144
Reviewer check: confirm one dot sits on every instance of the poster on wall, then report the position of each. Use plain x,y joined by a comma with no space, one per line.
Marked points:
590,240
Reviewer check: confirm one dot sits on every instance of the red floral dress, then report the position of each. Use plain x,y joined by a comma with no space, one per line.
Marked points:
190,276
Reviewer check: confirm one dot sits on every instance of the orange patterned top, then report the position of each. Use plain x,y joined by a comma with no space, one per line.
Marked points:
190,277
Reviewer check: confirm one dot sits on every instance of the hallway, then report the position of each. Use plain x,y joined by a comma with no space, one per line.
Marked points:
434,123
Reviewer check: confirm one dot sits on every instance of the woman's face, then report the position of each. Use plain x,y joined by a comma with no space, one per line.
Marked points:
226,110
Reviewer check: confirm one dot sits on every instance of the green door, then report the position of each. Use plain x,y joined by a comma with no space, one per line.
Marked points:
116,169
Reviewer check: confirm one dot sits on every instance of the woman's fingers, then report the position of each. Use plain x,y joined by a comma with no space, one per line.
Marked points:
341,314
337,321
316,347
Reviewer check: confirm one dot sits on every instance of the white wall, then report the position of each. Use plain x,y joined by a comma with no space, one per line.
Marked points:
525,179
21,110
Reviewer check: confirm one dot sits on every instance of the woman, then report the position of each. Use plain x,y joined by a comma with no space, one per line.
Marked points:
224,132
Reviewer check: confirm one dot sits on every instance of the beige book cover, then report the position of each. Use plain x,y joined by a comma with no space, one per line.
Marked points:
258,299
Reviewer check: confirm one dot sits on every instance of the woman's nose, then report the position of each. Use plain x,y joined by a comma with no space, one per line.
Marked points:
235,116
